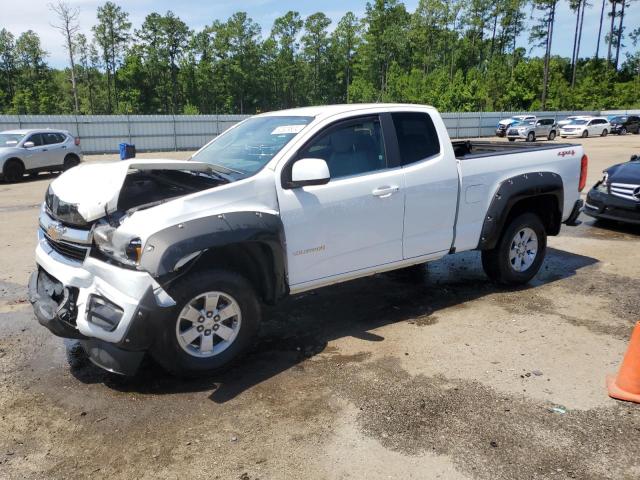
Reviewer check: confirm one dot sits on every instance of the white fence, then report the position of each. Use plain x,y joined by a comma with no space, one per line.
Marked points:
103,133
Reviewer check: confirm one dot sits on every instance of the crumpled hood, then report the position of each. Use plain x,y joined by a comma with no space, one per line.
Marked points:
95,187
625,173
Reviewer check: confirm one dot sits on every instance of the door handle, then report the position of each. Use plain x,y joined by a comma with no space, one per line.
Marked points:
44,149
386,191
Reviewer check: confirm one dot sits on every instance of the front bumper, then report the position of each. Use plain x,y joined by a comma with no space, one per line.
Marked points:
501,133
572,133
110,309
609,207
516,134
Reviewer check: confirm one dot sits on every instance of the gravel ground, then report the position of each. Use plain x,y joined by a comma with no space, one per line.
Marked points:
435,374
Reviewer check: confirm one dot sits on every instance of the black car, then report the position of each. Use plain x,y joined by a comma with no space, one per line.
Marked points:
617,195
625,123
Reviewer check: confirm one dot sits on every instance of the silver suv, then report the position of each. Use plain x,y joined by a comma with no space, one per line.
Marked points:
530,131
33,151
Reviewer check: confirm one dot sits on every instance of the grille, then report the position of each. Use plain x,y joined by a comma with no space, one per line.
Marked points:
67,249
513,132
626,190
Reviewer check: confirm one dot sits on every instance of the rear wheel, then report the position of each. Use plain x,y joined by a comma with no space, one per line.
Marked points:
585,134
531,137
552,135
604,133
70,161
13,170
623,131
519,254
216,316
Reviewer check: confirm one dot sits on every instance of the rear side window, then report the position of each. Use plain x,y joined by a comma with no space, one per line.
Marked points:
51,138
417,137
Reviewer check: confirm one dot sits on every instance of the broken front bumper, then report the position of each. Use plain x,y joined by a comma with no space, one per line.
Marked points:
114,311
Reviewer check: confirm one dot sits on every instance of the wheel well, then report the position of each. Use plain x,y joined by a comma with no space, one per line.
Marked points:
72,155
544,206
253,260
13,159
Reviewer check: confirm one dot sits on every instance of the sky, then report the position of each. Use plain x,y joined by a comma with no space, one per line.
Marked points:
23,15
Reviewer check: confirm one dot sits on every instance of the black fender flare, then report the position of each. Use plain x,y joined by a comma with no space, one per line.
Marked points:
166,247
509,193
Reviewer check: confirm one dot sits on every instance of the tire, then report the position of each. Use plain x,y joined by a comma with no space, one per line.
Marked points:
70,161
187,359
604,133
585,134
623,131
552,135
531,137
512,139
498,263
13,170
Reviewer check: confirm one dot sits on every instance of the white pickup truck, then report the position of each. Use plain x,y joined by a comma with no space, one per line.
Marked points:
175,258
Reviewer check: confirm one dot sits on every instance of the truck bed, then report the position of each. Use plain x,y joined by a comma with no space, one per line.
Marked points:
468,149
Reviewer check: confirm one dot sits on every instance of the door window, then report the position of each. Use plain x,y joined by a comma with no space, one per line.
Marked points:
351,148
417,137
37,140
52,138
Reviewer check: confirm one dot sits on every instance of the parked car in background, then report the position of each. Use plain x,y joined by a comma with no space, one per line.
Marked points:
571,118
622,124
617,195
530,131
33,151
175,257
585,127
503,125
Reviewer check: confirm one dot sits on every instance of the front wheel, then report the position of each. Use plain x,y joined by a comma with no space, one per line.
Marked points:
623,131
605,132
215,319
585,134
531,137
13,170
519,254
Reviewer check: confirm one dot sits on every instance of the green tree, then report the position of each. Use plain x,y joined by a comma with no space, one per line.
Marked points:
112,36
7,68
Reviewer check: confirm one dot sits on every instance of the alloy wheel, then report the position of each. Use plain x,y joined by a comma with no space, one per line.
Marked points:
523,250
208,324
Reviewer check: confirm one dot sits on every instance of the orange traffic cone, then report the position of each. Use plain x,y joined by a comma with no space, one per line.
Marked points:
626,386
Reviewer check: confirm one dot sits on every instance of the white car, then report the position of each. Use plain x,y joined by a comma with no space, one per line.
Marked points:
32,151
174,258
586,127
570,119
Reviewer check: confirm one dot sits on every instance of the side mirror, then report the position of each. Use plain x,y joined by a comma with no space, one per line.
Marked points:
309,171
28,144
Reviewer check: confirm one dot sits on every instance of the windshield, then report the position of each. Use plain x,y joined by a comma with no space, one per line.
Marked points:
618,119
578,122
245,149
10,139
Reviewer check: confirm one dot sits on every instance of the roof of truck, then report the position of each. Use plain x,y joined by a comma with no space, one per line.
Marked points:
328,110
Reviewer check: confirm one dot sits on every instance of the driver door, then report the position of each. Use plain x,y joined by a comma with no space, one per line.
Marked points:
353,222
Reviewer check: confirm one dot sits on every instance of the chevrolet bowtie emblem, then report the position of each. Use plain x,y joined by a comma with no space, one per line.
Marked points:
55,231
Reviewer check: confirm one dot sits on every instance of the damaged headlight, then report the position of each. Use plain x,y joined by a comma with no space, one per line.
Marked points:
124,250
602,185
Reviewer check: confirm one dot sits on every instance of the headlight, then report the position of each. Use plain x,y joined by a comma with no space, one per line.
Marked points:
127,251
602,184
